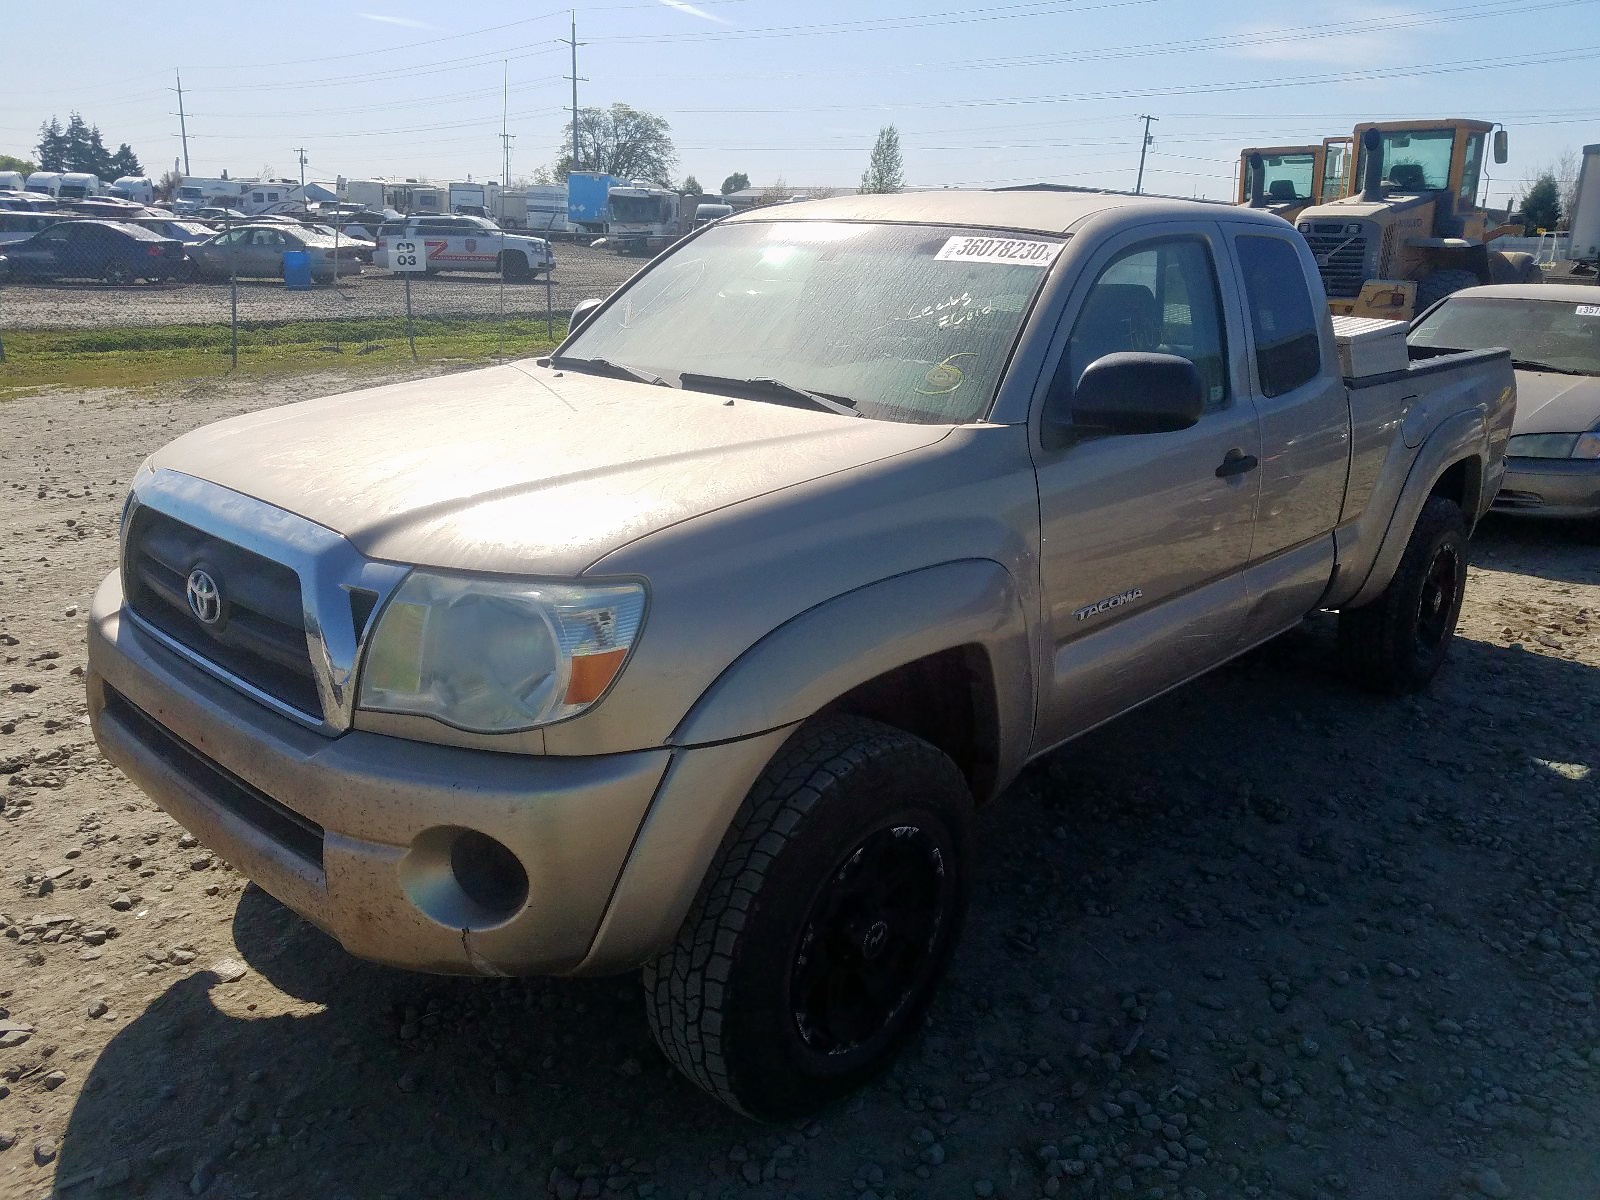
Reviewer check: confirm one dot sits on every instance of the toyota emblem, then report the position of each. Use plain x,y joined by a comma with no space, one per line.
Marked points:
205,597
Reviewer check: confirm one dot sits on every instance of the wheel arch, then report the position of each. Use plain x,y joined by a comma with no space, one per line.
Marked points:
1450,464
899,651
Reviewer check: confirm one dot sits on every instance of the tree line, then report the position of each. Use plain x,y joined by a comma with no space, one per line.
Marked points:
79,146
630,143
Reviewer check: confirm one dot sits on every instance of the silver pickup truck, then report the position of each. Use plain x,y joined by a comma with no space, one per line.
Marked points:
693,647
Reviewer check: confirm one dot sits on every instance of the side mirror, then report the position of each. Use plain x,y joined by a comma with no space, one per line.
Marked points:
581,312
1129,392
1501,145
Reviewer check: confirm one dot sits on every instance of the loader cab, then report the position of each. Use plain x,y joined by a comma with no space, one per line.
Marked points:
1281,179
1419,157
1408,229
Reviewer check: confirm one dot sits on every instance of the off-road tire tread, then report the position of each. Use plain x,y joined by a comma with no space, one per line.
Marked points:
685,986
1374,640
1443,283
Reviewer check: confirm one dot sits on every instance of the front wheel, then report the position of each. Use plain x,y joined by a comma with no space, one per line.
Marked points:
824,924
1397,643
513,266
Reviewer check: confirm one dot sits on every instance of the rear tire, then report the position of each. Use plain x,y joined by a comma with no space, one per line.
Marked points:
1397,643
824,924
116,274
1441,284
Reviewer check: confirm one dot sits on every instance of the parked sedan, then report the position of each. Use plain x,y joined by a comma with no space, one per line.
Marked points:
257,251
107,250
220,215
1553,332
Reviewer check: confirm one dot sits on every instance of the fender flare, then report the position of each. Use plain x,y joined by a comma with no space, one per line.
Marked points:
1457,439
821,654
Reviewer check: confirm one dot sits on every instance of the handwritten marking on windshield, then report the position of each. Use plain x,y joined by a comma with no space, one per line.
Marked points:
945,377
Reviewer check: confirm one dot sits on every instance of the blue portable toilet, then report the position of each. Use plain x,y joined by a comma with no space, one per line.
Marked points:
297,270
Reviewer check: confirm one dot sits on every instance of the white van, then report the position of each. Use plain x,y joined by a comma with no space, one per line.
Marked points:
46,183
141,189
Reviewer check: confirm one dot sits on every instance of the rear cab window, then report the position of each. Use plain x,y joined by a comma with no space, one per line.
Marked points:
1283,320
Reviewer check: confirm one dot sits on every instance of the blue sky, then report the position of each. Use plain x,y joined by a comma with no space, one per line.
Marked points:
1011,92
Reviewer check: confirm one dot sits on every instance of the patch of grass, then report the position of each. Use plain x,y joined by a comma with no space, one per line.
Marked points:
135,356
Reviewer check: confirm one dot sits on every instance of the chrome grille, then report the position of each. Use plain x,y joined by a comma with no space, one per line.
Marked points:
260,634
1341,258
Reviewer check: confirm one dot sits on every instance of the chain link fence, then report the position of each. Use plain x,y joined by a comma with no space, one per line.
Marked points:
90,302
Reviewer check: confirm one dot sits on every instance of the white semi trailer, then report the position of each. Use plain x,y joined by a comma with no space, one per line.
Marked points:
1584,219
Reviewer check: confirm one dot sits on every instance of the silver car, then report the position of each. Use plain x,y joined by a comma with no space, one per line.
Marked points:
1553,333
257,250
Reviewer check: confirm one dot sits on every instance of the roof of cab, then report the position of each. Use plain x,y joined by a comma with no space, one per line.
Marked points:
1042,211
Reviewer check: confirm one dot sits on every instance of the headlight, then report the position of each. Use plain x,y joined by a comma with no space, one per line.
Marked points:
1545,445
496,655
1588,444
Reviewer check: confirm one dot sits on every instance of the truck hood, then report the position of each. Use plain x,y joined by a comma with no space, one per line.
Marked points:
521,468
1548,402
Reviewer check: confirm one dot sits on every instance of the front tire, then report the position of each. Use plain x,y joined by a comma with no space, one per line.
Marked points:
1397,643
824,924
514,267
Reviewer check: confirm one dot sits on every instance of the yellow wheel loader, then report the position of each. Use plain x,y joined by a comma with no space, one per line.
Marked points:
1414,232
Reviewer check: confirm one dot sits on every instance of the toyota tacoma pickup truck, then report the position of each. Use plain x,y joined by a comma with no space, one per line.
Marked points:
692,648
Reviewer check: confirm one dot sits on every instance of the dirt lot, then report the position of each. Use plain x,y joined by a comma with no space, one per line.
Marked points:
580,273
1266,938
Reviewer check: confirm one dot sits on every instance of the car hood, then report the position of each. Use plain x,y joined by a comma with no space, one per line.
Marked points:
522,468
1548,402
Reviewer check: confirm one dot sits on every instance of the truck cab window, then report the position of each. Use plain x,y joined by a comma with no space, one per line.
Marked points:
1282,317
1161,296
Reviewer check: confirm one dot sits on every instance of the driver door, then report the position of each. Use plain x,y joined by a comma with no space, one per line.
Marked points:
1145,536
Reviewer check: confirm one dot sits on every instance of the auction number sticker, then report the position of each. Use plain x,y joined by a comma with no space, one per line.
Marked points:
1589,310
1012,252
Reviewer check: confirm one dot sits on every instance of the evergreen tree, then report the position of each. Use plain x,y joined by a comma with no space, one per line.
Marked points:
886,170
77,152
691,187
52,147
1541,207
737,182
123,162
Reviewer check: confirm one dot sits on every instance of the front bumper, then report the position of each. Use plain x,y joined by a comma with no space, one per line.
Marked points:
353,832
1550,487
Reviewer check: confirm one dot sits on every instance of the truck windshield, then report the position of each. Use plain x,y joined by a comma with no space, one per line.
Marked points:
636,209
1415,160
906,322
1551,334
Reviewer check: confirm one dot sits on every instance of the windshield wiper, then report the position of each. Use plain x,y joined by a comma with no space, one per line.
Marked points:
1528,364
842,405
604,366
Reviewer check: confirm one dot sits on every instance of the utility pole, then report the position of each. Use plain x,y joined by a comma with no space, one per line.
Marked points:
301,151
1138,188
183,126
574,43
505,138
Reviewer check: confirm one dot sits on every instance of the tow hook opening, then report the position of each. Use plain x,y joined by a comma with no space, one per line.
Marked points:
464,879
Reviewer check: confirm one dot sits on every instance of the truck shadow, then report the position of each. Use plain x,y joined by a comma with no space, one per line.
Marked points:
1180,901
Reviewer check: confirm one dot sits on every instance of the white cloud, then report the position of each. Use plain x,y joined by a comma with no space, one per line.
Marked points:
684,7
406,21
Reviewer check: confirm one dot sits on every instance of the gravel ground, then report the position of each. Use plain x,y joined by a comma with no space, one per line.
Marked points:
580,273
1268,937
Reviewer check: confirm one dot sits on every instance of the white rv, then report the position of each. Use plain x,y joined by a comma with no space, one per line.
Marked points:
198,191
547,209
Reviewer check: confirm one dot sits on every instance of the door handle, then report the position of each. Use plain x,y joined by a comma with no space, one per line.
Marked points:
1236,463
